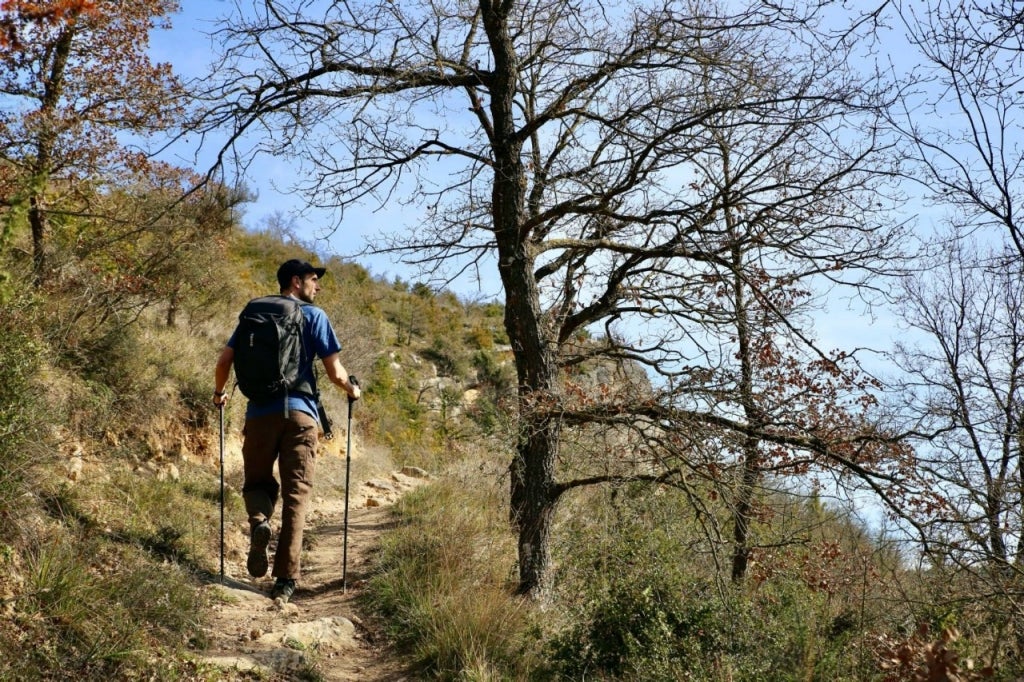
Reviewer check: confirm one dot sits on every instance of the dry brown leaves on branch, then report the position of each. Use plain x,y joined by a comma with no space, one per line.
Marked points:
925,658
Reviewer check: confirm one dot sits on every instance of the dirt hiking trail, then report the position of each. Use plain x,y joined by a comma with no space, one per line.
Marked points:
320,634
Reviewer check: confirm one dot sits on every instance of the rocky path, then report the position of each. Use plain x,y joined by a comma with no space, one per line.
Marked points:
320,633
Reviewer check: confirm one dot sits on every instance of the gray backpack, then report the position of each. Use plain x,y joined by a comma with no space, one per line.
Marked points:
270,350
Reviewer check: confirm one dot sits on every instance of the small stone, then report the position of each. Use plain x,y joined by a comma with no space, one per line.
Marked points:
75,468
414,472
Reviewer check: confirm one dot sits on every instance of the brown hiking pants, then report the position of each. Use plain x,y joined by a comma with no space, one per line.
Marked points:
292,444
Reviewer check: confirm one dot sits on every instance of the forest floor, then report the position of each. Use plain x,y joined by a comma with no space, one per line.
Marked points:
321,634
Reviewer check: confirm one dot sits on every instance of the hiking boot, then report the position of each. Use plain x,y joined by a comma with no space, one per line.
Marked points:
259,538
283,590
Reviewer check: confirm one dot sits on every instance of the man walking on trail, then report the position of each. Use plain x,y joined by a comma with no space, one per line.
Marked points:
285,430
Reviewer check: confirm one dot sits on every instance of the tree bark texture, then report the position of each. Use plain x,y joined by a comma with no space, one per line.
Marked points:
532,472
43,163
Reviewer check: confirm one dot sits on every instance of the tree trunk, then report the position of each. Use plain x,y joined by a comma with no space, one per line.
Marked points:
744,501
532,472
993,518
533,503
45,144
172,308
533,496
741,516
37,221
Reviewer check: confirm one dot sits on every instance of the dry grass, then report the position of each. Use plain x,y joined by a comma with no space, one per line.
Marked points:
444,585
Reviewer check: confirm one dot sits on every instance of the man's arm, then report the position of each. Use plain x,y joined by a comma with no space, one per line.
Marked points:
339,377
221,375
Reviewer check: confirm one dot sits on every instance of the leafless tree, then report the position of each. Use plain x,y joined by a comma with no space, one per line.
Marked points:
964,380
609,159
962,121
961,363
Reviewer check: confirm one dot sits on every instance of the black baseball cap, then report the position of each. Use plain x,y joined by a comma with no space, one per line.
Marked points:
293,267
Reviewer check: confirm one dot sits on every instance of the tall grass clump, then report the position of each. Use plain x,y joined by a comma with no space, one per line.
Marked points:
443,587
92,607
97,570
93,603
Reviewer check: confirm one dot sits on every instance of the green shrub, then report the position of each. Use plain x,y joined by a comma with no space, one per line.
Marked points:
392,415
643,619
642,600
23,417
447,357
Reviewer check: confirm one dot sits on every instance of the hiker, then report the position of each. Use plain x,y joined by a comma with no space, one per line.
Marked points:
284,430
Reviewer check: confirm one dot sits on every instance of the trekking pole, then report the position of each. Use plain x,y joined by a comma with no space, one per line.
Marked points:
221,408
348,464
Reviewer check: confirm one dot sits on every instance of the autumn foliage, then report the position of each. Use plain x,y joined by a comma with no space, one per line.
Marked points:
21,20
924,657
77,82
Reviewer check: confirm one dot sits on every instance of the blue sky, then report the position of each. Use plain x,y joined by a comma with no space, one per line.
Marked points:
189,48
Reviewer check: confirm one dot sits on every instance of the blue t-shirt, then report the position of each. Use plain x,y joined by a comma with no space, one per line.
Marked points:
321,342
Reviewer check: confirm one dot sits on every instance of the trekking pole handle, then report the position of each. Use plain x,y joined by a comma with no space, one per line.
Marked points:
355,382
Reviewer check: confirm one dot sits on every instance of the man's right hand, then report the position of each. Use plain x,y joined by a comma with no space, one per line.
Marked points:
352,388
